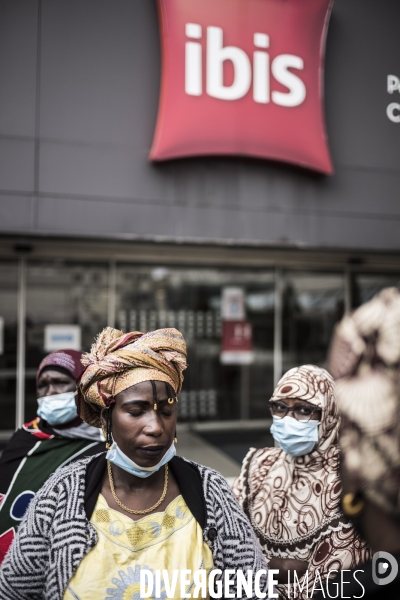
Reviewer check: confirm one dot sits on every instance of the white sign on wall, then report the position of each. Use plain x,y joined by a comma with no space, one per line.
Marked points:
233,308
58,337
1,335
393,110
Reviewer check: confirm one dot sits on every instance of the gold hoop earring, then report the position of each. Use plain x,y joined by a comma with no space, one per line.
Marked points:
349,508
107,429
105,436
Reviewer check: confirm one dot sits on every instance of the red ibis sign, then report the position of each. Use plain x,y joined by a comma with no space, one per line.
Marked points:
243,77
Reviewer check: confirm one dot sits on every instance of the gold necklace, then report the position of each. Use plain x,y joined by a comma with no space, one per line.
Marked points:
130,510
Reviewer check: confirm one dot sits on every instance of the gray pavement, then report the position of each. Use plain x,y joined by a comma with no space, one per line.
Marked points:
192,446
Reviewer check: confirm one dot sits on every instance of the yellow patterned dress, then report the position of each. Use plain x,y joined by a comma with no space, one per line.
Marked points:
171,540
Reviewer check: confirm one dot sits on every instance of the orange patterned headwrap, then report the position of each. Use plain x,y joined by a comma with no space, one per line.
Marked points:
119,360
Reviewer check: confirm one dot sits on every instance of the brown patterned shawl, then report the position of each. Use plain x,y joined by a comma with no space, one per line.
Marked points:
294,502
117,361
365,361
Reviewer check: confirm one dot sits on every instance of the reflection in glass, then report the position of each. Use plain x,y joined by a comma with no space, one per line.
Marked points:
364,287
190,300
61,293
312,304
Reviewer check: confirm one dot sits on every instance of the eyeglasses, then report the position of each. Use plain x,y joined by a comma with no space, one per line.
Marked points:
301,412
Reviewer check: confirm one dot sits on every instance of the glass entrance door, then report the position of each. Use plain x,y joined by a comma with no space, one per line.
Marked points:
312,304
61,293
190,300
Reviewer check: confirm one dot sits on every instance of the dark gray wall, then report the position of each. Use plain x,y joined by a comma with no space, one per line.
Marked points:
79,82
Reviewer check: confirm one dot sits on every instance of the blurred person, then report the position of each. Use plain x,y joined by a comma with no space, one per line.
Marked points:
96,524
365,362
291,493
55,437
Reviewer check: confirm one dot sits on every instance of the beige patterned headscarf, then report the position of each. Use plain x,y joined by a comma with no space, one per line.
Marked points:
365,361
118,361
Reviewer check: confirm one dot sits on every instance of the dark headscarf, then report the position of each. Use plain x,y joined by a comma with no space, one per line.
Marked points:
63,360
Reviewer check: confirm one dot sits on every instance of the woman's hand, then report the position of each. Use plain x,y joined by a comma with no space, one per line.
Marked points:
287,564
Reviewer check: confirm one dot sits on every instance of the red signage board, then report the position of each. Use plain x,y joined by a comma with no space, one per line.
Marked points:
243,77
237,343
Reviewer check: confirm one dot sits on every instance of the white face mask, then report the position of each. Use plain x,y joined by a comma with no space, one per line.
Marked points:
118,458
295,437
58,409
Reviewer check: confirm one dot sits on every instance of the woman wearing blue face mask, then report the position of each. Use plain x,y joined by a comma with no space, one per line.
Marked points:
291,493
96,526
55,437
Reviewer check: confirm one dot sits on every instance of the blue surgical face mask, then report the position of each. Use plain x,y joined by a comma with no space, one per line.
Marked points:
58,409
118,458
295,437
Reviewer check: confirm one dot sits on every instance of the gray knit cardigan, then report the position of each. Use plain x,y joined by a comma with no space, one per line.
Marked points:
56,534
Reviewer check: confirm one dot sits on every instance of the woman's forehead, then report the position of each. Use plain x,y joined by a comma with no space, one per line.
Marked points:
292,401
143,391
53,374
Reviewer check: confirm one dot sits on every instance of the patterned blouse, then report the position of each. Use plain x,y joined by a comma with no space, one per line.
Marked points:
170,540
